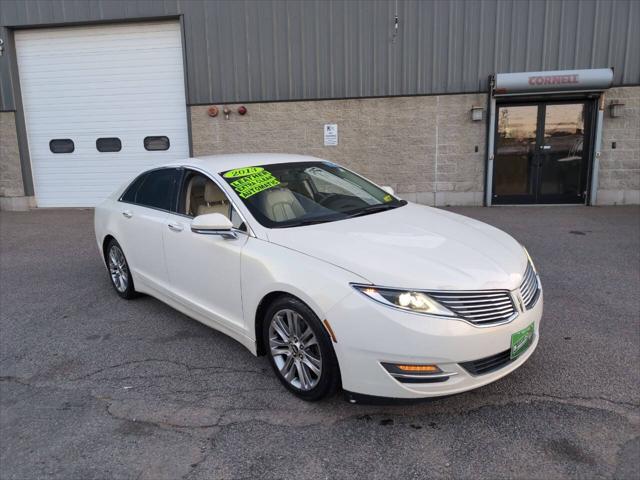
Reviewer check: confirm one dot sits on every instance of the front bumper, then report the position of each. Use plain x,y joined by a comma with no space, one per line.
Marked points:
369,334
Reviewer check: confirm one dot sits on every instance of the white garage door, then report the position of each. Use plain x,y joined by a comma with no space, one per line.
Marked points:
109,100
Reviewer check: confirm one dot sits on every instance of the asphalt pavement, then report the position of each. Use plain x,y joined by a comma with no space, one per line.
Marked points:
92,386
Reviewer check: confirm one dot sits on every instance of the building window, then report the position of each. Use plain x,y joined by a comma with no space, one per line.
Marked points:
156,143
61,145
109,144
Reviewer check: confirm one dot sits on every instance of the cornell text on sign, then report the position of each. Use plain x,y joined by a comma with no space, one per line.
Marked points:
330,134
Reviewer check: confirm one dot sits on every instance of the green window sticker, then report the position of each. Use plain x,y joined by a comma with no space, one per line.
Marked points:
387,198
251,183
242,172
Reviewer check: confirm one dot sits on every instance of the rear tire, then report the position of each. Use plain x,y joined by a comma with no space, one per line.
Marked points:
119,272
299,349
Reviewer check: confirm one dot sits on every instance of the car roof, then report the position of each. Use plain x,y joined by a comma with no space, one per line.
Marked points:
222,163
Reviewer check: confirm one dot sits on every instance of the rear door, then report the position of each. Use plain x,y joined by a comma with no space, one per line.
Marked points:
144,209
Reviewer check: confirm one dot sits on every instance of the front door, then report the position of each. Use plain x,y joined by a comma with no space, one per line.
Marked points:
204,270
541,153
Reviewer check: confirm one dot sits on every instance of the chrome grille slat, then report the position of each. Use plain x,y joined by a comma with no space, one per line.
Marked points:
486,316
484,306
488,311
470,302
467,295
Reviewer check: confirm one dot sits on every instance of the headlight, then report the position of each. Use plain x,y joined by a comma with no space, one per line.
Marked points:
417,302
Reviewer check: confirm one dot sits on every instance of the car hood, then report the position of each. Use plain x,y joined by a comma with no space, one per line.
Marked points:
415,247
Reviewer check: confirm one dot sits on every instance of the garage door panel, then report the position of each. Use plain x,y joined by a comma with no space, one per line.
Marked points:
92,67
85,83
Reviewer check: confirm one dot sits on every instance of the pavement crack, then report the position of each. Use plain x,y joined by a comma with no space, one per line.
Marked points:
587,399
11,378
188,367
160,423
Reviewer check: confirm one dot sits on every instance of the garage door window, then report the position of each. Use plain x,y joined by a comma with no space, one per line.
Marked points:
155,189
108,144
61,145
156,143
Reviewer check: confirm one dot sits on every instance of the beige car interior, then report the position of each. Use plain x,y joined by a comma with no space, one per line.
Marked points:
204,196
280,204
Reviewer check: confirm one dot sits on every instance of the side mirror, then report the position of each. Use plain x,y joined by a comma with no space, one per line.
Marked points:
213,224
389,190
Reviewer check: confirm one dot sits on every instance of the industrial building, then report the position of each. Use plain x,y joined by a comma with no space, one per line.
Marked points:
449,102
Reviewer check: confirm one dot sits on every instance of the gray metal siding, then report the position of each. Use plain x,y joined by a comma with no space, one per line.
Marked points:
259,50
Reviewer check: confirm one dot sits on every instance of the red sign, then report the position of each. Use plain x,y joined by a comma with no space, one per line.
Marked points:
553,79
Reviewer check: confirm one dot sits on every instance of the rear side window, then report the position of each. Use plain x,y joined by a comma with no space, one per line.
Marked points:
61,145
156,189
108,144
156,143
129,195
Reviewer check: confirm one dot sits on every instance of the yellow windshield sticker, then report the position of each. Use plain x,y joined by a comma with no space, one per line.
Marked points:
242,172
250,184
387,198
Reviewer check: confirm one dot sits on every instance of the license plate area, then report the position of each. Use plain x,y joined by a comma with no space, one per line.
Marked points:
521,340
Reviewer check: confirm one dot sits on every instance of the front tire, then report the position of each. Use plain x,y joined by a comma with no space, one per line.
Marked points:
119,271
300,350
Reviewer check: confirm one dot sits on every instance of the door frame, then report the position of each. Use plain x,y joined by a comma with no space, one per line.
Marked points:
590,113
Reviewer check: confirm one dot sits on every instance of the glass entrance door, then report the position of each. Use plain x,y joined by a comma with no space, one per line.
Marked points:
541,153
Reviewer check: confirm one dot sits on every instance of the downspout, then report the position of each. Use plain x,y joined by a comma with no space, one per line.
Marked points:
596,152
488,187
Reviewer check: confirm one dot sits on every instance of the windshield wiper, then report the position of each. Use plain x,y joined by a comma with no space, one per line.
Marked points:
377,208
309,221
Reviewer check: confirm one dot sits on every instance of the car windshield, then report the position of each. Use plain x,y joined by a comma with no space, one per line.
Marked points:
303,193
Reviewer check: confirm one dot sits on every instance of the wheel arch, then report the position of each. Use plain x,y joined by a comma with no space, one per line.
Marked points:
105,244
264,304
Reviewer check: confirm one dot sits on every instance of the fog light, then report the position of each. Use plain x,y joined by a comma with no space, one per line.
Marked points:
404,373
405,369
419,368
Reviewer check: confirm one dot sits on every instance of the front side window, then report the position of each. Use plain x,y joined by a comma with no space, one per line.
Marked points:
294,194
201,195
156,189
61,145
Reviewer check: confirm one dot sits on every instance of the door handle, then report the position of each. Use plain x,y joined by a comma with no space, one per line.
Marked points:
175,227
127,214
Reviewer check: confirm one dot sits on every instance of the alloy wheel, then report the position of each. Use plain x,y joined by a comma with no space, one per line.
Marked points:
118,269
295,350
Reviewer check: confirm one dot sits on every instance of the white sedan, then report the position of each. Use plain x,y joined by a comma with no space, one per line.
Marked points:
338,281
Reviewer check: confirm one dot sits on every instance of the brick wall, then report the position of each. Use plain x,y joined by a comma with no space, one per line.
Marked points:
10,173
423,147
619,173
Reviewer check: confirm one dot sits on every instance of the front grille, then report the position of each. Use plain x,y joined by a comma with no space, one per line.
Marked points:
529,287
487,364
480,307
